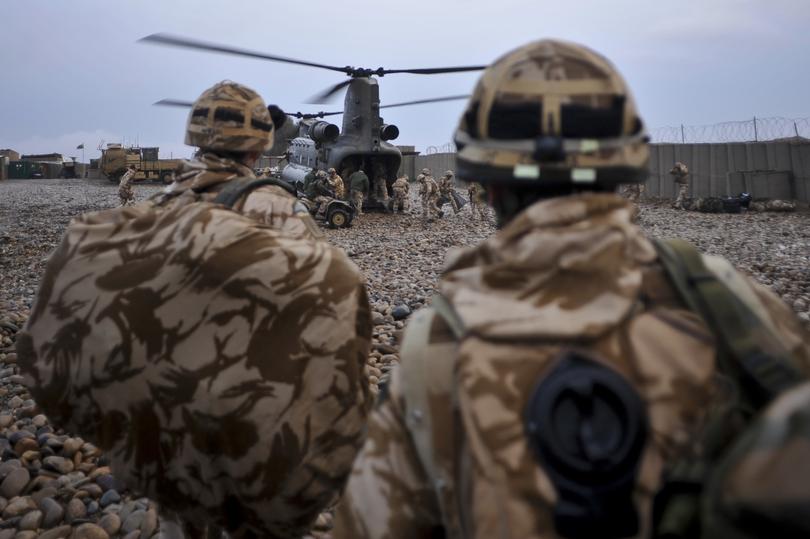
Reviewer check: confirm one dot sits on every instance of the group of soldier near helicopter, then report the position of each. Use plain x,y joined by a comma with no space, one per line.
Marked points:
571,378
323,186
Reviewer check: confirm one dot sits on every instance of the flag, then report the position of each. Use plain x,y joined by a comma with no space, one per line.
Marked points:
80,146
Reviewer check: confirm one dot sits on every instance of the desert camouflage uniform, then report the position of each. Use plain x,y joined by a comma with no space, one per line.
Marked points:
570,272
125,193
246,413
680,174
475,192
429,194
337,184
773,205
358,187
381,190
401,188
270,205
447,186
766,478
633,191
216,356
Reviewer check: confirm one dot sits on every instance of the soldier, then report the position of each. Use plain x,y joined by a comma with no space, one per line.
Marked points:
125,193
309,183
358,185
323,191
633,191
775,205
681,176
559,370
475,192
223,156
380,185
337,184
401,189
424,174
429,195
241,402
447,189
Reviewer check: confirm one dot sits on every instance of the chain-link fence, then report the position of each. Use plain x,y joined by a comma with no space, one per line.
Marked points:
753,130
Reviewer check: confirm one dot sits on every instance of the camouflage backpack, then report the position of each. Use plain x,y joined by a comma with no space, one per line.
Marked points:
218,362
593,486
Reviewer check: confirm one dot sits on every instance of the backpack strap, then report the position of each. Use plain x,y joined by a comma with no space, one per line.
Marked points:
750,351
749,354
237,188
428,368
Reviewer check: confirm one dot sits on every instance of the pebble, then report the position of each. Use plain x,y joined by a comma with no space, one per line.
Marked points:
106,482
90,531
17,507
59,464
75,509
111,496
14,483
400,312
53,512
62,532
31,521
150,523
133,521
110,523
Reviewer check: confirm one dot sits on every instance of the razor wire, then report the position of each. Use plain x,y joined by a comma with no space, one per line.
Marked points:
444,148
753,130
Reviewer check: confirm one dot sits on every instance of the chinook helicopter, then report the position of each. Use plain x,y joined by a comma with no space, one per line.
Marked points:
364,142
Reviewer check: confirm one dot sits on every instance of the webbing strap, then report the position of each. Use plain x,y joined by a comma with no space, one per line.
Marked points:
749,354
448,313
752,353
235,189
426,369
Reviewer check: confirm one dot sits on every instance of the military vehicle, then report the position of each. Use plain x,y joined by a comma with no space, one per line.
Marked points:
364,140
116,159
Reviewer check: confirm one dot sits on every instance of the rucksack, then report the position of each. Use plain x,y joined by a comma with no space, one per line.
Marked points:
593,495
217,361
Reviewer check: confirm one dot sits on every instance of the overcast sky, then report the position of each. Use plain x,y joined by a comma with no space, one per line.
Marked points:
72,72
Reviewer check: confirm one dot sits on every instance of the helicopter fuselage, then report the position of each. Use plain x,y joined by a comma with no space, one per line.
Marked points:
361,144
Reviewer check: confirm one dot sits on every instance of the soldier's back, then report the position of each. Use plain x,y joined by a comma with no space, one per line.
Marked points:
592,305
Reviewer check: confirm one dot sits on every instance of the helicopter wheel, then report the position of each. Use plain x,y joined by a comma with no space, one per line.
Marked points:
338,219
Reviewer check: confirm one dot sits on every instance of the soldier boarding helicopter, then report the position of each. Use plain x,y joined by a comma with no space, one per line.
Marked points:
363,143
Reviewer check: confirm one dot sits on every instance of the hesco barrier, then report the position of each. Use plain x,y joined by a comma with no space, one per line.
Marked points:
778,169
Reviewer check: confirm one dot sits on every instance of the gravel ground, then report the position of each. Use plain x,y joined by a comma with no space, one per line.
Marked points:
53,484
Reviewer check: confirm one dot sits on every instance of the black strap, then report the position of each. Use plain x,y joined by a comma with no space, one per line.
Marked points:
237,188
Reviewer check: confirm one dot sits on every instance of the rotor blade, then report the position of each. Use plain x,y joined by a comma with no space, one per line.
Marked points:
435,70
174,103
177,41
425,101
329,92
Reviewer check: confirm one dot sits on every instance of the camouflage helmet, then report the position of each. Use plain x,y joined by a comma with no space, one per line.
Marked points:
679,169
320,174
448,173
230,117
552,113
332,171
425,171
